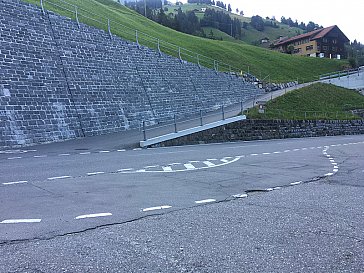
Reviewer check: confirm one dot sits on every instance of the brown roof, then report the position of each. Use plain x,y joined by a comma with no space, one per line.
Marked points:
313,35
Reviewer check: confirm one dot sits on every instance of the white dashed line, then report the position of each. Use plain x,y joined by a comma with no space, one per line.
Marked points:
104,152
296,183
329,174
277,152
16,182
137,149
20,221
59,177
266,153
85,153
277,188
253,154
287,151
15,157
122,150
149,167
40,156
64,154
95,173
125,170
156,208
93,215
212,159
205,201
242,195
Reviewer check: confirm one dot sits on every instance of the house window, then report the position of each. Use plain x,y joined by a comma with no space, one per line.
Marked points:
325,40
310,47
324,47
334,41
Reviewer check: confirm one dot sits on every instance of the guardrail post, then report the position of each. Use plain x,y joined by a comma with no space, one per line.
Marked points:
108,28
137,39
77,20
201,121
159,48
223,112
144,131
175,124
42,6
179,54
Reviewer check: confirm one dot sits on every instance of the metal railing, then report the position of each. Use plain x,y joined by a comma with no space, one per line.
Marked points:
140,38
339,74
195,119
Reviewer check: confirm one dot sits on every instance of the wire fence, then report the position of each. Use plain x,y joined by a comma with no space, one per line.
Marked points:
113,27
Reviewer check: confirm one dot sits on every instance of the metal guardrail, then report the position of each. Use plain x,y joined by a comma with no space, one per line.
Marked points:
140,38
339,74
199,118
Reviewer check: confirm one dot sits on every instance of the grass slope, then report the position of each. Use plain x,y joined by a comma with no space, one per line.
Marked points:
318,101
261,62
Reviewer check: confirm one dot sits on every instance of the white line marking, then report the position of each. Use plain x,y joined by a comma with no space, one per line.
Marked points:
189,166
253,154
174,164
329,174
243,195
40,156
85,153
141,171
212,159
286,151
93,215
64,154
137,149
312,148
336,167
16,182
149,167
319,147
195,161
122,150
295,150
167,169
205,201
296,183
277,152
304,149
15,157
277,188
19,221
335,170
104,152
95,173
59,177
266,153
156,208
269,189
334,163
125,170
209,164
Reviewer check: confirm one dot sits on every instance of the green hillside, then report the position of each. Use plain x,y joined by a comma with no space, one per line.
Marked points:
243,57
317,101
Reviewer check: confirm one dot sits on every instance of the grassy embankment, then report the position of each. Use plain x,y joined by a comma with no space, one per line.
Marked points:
318,101
261,62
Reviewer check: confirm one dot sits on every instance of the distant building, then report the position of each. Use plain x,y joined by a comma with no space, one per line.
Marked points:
203,9
324,43
264,40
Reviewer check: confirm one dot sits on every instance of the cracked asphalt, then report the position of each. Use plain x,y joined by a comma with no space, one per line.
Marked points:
293,218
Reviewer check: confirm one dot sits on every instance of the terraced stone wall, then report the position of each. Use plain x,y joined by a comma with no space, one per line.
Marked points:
59,80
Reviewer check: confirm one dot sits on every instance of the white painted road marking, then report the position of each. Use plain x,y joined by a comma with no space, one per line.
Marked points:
167,169
104,152
59,177
19,221
205,201
93,215
209,164
156,208
85,153
189,166
243,195
95,173
295,183
16,182
15,157
64,154
40,156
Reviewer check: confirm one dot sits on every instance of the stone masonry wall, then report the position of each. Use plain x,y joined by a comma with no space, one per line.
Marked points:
271,129
60,81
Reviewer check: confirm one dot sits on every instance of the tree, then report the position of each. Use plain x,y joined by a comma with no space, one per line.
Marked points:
229,8
242,13
257,23
237,10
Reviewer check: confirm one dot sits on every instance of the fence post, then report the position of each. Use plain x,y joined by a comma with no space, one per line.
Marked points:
179,54
217,66
42,6
77,20
201,121
175,123
198,60
223,112
108,28
136,38
241,107
159,47
144,131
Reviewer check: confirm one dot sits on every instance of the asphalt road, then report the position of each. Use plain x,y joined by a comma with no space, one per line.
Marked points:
292,205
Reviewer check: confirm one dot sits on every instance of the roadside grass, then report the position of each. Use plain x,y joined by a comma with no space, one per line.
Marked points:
318,101
258,61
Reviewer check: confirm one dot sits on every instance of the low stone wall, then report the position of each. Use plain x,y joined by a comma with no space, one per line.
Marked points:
271,129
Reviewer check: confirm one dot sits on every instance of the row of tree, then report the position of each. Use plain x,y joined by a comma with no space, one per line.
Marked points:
306,28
